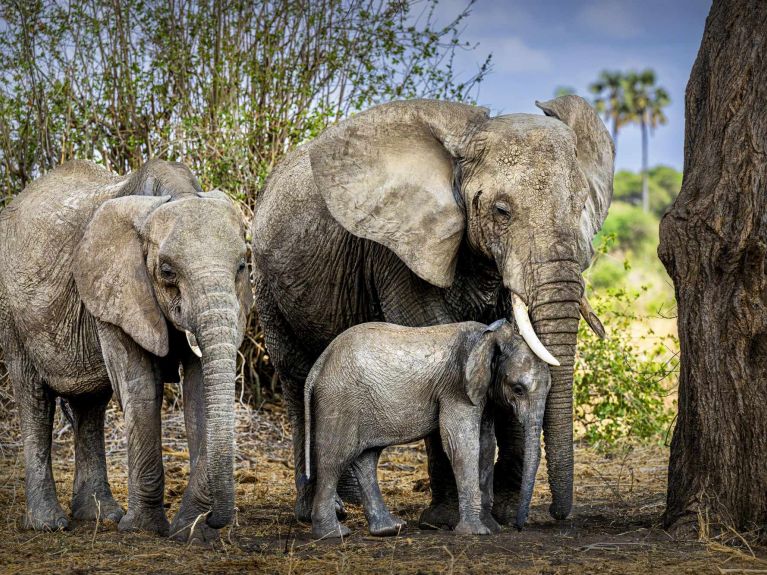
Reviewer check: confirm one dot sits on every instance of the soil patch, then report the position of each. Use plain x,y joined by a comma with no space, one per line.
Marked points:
614,527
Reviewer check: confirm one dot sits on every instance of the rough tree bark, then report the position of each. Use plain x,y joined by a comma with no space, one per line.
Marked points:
714,246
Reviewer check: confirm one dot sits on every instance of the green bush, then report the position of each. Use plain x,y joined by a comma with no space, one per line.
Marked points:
663,183
622,383
630,228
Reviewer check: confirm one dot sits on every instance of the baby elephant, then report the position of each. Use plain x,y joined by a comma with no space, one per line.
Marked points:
379,384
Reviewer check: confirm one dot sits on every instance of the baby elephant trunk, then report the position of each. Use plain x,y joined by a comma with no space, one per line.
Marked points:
532,433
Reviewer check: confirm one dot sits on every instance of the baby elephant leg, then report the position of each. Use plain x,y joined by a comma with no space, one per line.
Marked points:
486,461
460,438
325,524
380,521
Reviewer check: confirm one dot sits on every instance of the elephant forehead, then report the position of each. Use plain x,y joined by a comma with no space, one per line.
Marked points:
198,211
211,221
523,139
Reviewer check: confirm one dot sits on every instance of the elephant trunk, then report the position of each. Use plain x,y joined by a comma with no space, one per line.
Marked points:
555,316
532,457
217,337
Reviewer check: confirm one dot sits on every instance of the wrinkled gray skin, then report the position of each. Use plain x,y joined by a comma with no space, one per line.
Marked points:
379,384
100,276
424,212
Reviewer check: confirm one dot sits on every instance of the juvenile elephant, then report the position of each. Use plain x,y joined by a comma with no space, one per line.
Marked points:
429,212
103,280
378,384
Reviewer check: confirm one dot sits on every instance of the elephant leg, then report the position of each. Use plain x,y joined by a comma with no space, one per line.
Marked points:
36,405
325,522
380,521
188,525
137,383
465,459
507,477
442,512
91,495
292,365
486,461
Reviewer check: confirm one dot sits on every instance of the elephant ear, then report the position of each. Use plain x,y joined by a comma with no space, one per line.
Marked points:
387,175
478,372
596,153
110,271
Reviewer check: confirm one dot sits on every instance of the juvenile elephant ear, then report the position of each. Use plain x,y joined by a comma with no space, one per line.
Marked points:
386,175
110,271
478,372
596,153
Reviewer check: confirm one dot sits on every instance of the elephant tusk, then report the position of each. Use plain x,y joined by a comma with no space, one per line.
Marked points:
192,341
527,332
591,318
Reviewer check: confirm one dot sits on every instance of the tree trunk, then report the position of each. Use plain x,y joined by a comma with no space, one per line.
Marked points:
713,244
645,153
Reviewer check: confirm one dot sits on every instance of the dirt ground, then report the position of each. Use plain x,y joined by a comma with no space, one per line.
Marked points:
614,526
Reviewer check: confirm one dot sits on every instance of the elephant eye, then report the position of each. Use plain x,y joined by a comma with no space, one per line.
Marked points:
503,210
518,389
242,266
167,273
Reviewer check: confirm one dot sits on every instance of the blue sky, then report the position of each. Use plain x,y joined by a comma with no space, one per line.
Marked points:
539,45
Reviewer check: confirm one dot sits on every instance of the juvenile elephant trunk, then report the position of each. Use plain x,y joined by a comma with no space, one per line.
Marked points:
555,318
217,336
532,458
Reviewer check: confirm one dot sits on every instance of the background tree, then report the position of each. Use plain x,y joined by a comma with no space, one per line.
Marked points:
609,100
664,183
714,245
227,86
643,104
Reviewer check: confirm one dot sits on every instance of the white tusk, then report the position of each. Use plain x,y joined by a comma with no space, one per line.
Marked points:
192,341
527,332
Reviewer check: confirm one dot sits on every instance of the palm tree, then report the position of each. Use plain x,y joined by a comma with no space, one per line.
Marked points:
644,102
609,100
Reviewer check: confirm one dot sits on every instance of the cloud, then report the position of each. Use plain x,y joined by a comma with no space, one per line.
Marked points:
511,54
613,18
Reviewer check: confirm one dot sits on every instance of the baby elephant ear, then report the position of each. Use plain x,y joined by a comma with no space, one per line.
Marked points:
479,367
111,276
386,175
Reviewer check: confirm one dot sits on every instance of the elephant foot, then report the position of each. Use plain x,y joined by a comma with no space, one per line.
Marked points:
472,528
303,508
45,517
439,516
96,506
490,522
145,519
192,528
386,525
505,507
329,530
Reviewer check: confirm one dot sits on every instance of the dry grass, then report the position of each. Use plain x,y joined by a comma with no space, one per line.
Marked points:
613,528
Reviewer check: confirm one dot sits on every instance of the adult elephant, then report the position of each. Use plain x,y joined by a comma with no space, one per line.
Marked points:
425,212
103,282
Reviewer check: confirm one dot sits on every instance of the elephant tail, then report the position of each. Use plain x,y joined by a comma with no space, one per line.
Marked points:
308,390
